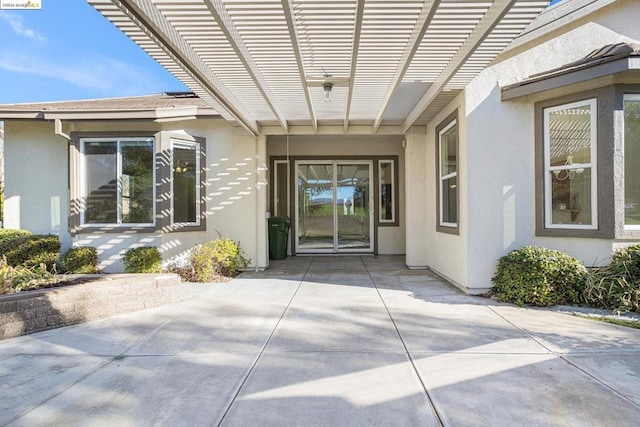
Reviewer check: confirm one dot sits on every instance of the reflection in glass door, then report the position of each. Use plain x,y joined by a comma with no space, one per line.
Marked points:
333,204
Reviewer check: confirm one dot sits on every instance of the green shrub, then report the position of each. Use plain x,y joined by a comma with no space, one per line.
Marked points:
16,279
9,234
143,260
220,257
81,260
538,276
32,250
616,286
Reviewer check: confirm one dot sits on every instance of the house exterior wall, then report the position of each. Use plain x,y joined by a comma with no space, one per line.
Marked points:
36,179
418,201
500,141
37,189
391,239
447,253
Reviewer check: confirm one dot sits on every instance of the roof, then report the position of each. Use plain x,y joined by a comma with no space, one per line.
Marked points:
166,106
264,63
607,60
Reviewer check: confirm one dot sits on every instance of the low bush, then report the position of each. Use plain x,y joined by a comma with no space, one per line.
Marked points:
80,260
143,260
617,286
219,258
538,276
9,234
31,251
186,272
16,279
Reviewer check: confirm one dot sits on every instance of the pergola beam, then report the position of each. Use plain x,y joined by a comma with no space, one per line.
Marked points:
157,27
355,46
225,22
422,24
491,18
289,14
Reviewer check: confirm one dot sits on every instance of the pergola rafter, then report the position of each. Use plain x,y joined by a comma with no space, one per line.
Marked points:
355,45
290,16
422,24
221,15
161,31
488,22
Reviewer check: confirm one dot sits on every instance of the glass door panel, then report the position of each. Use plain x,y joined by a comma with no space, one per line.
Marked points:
333,205
315,206
353,206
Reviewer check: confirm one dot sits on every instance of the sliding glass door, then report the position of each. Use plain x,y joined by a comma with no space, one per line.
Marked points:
333,204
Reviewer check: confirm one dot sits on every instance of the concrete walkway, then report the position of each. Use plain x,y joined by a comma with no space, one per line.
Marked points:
326,341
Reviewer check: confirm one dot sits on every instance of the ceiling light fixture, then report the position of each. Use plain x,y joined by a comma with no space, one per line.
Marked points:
327,86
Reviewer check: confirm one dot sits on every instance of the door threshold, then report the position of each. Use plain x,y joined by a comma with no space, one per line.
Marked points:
335,254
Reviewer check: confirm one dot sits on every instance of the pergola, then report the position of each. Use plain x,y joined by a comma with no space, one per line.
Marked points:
270,62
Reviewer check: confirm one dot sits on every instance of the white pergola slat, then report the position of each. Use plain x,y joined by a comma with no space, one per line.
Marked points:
262,62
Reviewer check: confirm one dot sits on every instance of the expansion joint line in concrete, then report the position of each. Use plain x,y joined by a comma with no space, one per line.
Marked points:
522,331
110,360
406,350
607,386
264,347
564,359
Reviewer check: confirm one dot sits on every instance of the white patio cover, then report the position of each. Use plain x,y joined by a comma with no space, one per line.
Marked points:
264,62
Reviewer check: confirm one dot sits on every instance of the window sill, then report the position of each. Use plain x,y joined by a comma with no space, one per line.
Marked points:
115,228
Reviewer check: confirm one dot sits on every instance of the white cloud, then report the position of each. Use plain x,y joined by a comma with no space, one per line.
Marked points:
105,75
16,23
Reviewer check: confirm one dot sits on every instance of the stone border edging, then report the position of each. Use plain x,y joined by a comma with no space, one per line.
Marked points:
33,311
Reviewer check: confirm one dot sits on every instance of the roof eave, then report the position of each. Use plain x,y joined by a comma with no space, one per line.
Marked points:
159,114
558,17
568,77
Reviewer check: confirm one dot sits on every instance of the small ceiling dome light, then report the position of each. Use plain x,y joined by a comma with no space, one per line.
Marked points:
327,86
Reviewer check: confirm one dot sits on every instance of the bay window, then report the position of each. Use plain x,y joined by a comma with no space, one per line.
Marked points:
138,182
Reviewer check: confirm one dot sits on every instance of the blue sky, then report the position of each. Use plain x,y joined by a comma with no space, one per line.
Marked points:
67,50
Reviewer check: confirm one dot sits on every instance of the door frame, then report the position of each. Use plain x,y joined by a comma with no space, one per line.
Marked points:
375,192
371,200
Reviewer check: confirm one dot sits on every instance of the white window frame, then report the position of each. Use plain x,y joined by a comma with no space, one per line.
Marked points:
627,97
175,142
83,181
548,169
392,196
442,178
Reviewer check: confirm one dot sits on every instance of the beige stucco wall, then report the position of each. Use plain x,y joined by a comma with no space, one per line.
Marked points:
236,184
36,179
447,253
391,239
418,198
500,144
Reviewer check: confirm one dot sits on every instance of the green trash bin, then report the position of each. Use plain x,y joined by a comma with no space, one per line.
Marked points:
278,237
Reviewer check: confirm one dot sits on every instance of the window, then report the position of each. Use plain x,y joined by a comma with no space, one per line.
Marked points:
570,153
448,175
185,182
386,174
631,161
117,181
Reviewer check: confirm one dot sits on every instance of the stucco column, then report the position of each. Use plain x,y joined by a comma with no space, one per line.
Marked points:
416,196
262,248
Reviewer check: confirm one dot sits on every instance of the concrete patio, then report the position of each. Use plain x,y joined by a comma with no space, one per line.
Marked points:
326,341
